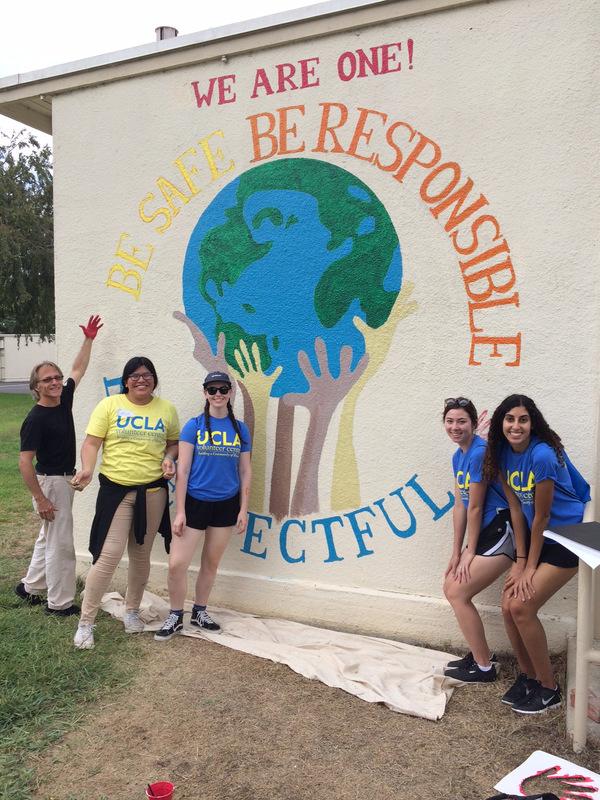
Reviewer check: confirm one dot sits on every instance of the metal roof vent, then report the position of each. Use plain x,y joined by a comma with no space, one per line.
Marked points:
165,32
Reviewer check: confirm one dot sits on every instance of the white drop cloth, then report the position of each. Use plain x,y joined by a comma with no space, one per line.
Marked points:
406,678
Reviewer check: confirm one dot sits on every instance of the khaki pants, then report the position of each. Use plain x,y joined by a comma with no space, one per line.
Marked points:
52,565
120,536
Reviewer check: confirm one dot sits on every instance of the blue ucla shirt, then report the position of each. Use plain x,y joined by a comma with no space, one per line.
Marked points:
467,470
538,463
214,474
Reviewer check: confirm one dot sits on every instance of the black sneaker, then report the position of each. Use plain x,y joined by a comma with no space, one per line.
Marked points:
519,690
172,625
472,674
32,599
539,700
468,661
62,612
201,619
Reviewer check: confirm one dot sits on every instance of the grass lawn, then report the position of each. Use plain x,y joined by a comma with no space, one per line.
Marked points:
45,684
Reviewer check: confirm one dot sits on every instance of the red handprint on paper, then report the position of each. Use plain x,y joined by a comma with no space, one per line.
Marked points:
568,787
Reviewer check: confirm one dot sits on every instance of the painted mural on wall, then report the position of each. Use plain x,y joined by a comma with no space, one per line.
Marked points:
293,281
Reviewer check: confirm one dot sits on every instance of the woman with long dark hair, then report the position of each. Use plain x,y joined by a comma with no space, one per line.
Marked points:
480,510
138,433
544,490
212,493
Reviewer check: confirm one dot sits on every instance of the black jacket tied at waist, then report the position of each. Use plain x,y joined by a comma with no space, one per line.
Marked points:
109,498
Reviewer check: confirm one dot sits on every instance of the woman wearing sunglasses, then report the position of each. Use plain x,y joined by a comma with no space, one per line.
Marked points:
138,433
213,489
480,510
544,490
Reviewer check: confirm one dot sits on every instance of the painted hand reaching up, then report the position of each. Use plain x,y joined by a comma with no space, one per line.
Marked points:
203,352
90,331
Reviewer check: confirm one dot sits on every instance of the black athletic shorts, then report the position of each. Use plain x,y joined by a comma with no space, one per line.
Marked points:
203,514
497,538
557,555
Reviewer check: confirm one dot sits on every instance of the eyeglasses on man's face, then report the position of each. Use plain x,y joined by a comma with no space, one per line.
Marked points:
50,379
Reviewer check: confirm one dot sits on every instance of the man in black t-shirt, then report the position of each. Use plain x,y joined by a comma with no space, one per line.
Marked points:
48,437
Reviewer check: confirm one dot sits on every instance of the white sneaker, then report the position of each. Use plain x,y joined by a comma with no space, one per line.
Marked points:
132,621
84,636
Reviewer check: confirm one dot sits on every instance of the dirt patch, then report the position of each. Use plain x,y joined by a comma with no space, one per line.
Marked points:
222,725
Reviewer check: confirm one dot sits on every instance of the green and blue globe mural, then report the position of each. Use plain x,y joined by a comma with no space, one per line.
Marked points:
289,252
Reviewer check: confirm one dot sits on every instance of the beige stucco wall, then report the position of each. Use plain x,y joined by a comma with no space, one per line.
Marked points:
507,92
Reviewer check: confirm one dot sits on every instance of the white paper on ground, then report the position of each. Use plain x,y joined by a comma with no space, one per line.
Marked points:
405,678
561,772
587,554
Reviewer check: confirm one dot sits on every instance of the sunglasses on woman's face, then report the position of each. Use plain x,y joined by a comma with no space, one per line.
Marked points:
212,390
461,402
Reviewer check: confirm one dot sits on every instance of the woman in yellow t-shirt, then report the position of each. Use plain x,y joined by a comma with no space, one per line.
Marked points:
139,435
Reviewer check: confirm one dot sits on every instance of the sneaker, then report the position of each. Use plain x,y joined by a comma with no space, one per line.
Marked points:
84,636
63,612
172,625
468,661
539,700
32,599
519,690
202,619
472,674
132,621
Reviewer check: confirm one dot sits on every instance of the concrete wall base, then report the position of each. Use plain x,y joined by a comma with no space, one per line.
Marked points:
410,618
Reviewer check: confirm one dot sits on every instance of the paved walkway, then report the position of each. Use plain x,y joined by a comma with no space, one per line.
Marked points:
14,387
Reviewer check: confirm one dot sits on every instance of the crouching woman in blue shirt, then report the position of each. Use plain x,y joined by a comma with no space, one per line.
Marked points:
544,490
212,493
480,510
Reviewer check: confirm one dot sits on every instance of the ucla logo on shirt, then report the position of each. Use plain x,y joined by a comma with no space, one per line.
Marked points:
218,438
463,479
523,488
140,423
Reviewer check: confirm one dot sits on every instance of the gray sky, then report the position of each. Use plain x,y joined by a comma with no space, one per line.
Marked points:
36,34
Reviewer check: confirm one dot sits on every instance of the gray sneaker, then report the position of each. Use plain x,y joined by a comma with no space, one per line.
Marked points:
132,621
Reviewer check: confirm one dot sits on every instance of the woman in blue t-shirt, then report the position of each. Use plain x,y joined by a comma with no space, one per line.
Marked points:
480,510
543,490
212,493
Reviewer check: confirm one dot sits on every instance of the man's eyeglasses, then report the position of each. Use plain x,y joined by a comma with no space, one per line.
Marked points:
50,379
461,402
140,376
212,390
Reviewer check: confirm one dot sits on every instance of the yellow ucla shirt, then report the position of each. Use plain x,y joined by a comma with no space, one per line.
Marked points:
134,436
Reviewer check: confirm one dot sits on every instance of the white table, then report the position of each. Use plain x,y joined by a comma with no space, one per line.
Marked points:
587,611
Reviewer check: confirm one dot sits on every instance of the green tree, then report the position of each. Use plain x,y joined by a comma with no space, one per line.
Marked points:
26,236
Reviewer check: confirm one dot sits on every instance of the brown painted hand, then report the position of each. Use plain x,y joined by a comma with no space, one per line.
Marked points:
325,391
324,394
203,352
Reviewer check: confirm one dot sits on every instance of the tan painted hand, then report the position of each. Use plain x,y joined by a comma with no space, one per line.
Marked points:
345,490
250,371
378,340
257,386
